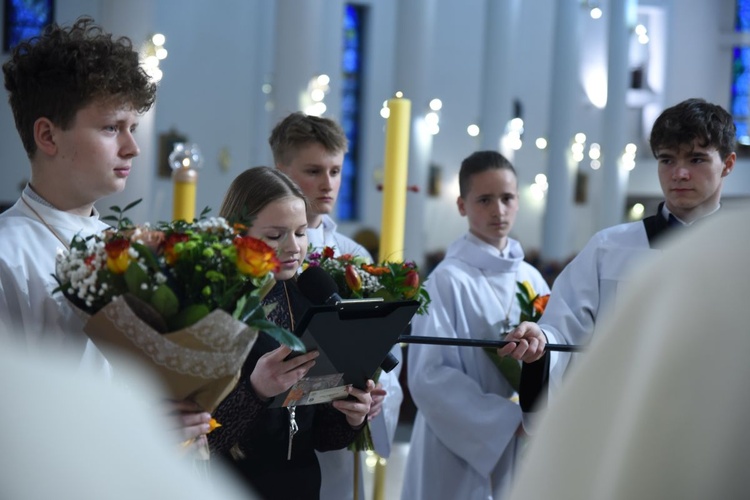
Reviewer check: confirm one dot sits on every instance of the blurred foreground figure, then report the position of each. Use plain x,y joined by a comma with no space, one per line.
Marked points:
72,436
657,409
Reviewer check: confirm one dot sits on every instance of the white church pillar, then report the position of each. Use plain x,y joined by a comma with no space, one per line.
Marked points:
496,99
557,223
615,176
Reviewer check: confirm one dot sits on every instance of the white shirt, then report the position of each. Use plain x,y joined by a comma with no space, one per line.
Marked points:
35,316
326,235
587,288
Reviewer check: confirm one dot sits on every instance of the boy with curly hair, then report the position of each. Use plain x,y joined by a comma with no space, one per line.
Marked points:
77,94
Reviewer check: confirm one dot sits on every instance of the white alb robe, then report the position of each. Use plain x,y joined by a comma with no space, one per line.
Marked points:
464,441
337,466
589,284
30,313
657,407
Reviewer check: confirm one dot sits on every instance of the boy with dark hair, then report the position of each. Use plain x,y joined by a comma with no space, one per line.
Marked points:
76,94
311,150
465,438
693,143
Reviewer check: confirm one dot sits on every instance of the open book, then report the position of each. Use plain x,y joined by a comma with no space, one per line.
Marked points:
353,338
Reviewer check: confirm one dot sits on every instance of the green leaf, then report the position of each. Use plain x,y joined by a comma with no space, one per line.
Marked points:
165,301
132,204
135,276
146,254
363,441
282,335
189,316
248,308
509,367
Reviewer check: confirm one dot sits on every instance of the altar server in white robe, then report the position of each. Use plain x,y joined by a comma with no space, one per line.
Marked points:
693,143
77,94
465,438
311,151
657,408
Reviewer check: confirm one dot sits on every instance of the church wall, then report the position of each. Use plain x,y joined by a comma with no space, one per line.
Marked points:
221,53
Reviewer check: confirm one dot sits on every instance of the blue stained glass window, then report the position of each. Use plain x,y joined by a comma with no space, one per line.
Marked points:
741,75
741,92
742,21
352,73
25,19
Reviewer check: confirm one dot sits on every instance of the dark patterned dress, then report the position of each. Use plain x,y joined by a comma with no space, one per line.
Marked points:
254,439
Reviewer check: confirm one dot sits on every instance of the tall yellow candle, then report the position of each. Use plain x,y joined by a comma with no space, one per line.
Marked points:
185,181
184,160
395,164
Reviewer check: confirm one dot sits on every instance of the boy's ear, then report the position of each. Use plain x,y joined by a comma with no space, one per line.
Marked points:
461,206
729,164
44,135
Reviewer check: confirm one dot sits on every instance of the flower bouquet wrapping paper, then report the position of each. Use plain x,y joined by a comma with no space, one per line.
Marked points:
201,362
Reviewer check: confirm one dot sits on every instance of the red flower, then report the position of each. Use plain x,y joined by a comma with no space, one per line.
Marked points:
411,282
352,277
328,252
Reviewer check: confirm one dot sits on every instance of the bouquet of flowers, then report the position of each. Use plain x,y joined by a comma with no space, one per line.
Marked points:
183,297
532,306
356,278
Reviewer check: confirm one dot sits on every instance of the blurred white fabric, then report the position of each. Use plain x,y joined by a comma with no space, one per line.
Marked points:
68,435
657,407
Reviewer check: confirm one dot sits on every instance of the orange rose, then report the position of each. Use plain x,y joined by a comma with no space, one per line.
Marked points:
118,258
254,257
540,303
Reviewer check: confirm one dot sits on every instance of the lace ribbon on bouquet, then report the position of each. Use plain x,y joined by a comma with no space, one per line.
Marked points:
201,362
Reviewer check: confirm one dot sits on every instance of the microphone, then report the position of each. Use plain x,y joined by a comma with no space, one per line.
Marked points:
320,289
318,286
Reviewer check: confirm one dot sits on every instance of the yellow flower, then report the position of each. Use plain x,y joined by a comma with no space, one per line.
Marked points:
212,425
118,258
530,292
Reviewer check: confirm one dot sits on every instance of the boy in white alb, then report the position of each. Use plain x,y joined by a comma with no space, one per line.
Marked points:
464,442
76,94
693,143
311,150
